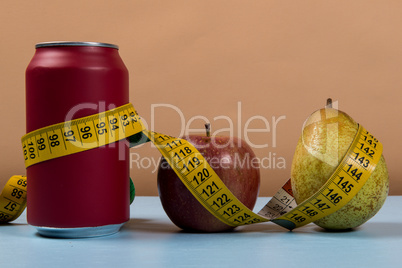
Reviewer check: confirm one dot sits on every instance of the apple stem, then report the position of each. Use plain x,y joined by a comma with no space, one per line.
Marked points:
329,103
208,129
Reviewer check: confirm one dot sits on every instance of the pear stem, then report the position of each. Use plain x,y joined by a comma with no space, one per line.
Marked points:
329,103
208,129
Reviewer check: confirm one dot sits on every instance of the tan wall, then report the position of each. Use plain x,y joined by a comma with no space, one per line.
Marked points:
277,58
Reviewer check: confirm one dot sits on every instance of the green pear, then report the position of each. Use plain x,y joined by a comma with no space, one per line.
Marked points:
326,137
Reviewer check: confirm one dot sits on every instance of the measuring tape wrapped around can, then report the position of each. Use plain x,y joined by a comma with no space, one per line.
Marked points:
123,122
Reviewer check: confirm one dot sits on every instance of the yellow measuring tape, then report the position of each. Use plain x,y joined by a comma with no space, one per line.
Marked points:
81,134
113,125
13,198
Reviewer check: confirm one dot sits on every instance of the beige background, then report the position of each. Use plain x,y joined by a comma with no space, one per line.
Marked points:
277,58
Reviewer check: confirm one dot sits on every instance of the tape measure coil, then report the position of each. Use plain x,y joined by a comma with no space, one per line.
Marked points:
289,216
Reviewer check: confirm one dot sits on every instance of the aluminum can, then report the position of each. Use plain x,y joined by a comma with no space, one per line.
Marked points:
84,194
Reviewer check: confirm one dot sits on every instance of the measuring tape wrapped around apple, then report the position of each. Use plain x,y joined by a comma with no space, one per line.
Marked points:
339,179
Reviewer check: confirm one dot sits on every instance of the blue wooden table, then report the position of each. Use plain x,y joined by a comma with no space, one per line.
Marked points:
149,239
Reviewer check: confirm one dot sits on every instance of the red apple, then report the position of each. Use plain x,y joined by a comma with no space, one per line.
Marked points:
234,162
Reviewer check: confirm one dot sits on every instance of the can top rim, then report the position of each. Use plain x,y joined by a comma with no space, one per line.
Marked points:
75,44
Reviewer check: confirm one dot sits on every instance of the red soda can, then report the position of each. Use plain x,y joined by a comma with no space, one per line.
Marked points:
84,194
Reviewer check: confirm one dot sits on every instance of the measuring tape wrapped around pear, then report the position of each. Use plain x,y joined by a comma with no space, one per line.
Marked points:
327,135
